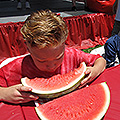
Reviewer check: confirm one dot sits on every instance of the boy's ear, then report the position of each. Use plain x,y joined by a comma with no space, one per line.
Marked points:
28,49
27,44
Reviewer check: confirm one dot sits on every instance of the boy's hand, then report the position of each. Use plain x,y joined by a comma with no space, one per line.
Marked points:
90,75
17,94
92,72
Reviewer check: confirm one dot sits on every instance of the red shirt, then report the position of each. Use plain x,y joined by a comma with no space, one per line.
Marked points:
12,72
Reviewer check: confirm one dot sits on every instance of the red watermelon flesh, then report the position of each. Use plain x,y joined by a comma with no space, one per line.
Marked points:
56,83
89,103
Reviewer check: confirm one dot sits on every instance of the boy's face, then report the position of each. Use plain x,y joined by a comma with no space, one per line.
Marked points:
47,59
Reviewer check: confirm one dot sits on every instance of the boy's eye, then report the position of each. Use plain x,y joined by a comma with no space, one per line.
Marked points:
59,57
42,61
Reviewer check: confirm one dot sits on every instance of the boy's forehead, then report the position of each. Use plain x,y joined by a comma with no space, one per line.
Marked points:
48,52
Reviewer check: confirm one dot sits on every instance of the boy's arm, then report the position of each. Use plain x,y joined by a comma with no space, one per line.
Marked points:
16,94
92,72
100,65
3,82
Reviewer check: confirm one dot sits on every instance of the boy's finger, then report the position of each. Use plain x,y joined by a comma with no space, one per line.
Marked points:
87,71
29,95
86,79
26,89
23,88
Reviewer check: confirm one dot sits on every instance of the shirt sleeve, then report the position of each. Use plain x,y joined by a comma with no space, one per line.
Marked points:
88,58
10,71
3,82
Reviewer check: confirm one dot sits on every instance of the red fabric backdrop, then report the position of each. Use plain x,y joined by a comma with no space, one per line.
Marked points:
84,30
89,30
11,40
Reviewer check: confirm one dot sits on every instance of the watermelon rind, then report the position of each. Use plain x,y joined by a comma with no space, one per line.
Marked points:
99,116
41,116
105,108
61,91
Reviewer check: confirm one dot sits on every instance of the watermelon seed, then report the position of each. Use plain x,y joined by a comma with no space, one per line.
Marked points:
76,73
75,115
72,115
87,109
61,113
67,83
79,113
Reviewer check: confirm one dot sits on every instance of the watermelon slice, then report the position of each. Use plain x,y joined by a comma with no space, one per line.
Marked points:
89,103
56,85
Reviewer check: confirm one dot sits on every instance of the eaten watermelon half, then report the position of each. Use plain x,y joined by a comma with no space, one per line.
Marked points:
56,85
88,103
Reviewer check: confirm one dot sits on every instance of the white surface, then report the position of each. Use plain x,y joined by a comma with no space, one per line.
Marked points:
23,18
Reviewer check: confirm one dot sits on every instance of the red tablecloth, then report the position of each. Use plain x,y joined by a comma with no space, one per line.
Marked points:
112,77
27,112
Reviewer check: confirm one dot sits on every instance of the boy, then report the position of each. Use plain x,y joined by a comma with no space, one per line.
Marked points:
45,34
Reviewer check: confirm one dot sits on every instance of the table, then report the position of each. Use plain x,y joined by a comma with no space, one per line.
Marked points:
26,111
112,77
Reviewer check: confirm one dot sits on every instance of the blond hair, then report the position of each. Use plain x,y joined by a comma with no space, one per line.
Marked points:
44,28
